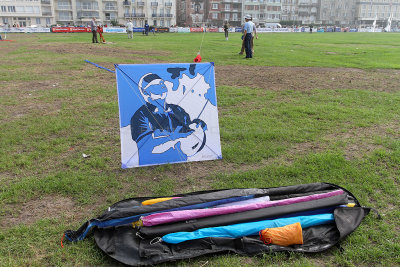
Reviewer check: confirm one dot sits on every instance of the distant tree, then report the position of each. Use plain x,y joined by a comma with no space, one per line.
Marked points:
114,23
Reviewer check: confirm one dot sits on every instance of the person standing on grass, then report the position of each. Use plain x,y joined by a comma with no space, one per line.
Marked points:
254,34
226,29
146,28
129,29
93,27
248,35
242,48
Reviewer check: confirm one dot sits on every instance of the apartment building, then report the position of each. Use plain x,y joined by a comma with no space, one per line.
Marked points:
338,12
24,13
161,13
369,10
290,10
263,11
191,13
308,11
224,10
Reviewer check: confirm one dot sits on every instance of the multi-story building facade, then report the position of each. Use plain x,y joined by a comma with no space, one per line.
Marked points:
26,12
368,11
290,10
338,12
192,12
263,11
161,13
308,11
220,11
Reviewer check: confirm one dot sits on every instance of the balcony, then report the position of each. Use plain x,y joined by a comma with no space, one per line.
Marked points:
46,13
110,8
140,3
168,15
154,3
87,8
168,4
65,19
45,2
138,15
86,16
127,3
64,8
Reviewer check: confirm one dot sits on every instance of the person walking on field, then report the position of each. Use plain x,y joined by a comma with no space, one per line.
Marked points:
247,33
129,29
93,27
254,34
226,29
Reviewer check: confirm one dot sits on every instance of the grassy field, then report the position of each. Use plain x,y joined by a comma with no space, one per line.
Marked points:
321,107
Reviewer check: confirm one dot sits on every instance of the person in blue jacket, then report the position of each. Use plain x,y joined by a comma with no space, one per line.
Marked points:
146,28
248,36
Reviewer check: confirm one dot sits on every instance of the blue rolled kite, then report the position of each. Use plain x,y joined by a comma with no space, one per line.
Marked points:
247,229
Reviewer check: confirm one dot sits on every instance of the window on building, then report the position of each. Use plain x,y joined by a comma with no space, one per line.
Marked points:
38,21
227,7
19,9
215,15
36,10
227,16
65,15
3,9
110,6
48,21
64,5
214,6
11,9
29,9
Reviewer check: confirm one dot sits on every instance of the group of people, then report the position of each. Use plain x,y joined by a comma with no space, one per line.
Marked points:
96,29
147,29
249,31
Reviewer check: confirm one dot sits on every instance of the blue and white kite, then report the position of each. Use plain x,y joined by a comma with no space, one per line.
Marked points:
168,113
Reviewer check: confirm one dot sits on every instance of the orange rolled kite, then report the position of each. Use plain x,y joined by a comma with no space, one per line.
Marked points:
291,234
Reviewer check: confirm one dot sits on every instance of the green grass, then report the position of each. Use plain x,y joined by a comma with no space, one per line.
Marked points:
54,107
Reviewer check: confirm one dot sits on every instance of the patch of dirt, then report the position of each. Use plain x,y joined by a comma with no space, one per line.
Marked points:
307,78
34,210
103,49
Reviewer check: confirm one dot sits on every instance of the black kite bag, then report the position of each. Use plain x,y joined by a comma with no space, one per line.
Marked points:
148,230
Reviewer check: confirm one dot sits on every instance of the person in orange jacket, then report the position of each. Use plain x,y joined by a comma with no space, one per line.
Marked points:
100,31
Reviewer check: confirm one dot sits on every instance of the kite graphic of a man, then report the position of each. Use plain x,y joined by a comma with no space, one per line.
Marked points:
164,132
